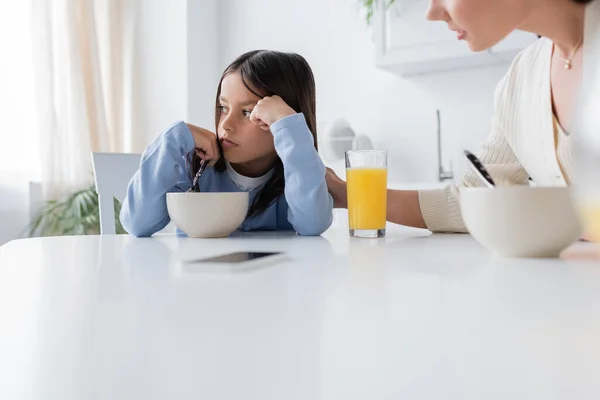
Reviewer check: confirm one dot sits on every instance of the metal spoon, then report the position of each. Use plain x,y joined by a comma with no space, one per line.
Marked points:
203,165
479,169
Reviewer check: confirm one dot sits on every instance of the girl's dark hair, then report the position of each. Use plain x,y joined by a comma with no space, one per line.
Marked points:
270,73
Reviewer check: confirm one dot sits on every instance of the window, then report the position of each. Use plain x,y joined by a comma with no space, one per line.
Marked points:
19,152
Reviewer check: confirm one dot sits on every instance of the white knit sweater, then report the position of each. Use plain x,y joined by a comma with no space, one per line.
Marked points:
525,140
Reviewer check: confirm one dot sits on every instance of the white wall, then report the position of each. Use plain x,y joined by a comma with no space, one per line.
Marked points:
398,113
178,59
162,49
14,210
18,146
202,61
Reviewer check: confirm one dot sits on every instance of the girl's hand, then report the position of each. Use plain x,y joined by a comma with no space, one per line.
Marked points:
205,143
269,110
337,189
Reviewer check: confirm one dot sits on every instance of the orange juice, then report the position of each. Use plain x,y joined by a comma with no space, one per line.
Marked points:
589,214
367,198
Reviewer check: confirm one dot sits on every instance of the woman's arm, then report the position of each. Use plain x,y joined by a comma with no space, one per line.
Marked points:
403,205
439,210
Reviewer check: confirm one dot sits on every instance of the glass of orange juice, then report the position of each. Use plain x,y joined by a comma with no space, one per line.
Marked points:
587,187
586,156
366,176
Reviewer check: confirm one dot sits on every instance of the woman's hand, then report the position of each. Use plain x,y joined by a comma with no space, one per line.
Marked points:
403,205
337,189
587,237
205,143
269,110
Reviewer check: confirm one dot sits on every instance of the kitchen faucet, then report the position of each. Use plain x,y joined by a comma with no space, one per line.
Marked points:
443,175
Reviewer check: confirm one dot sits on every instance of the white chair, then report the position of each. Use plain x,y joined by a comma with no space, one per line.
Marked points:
112,173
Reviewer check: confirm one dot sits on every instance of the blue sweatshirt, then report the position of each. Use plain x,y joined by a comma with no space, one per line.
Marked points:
305,207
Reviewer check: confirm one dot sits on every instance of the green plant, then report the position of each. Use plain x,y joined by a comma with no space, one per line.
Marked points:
370,6
77,214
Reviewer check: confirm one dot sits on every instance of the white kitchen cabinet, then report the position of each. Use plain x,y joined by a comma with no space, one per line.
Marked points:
407,44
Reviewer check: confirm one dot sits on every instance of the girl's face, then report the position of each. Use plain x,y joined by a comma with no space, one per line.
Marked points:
241,140
482,23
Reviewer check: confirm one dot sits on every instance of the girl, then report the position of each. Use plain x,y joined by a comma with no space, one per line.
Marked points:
266,144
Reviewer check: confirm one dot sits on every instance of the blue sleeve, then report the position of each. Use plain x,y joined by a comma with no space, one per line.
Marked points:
309,203
163,169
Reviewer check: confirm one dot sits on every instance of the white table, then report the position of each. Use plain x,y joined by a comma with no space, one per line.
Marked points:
408,317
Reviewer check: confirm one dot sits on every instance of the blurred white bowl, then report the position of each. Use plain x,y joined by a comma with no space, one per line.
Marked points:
207,215
521,221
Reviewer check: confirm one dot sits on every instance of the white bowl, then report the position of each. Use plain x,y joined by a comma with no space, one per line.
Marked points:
207,215
521,221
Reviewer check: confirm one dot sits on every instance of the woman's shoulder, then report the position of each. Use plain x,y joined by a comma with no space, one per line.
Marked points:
533,52
534,57
527,71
